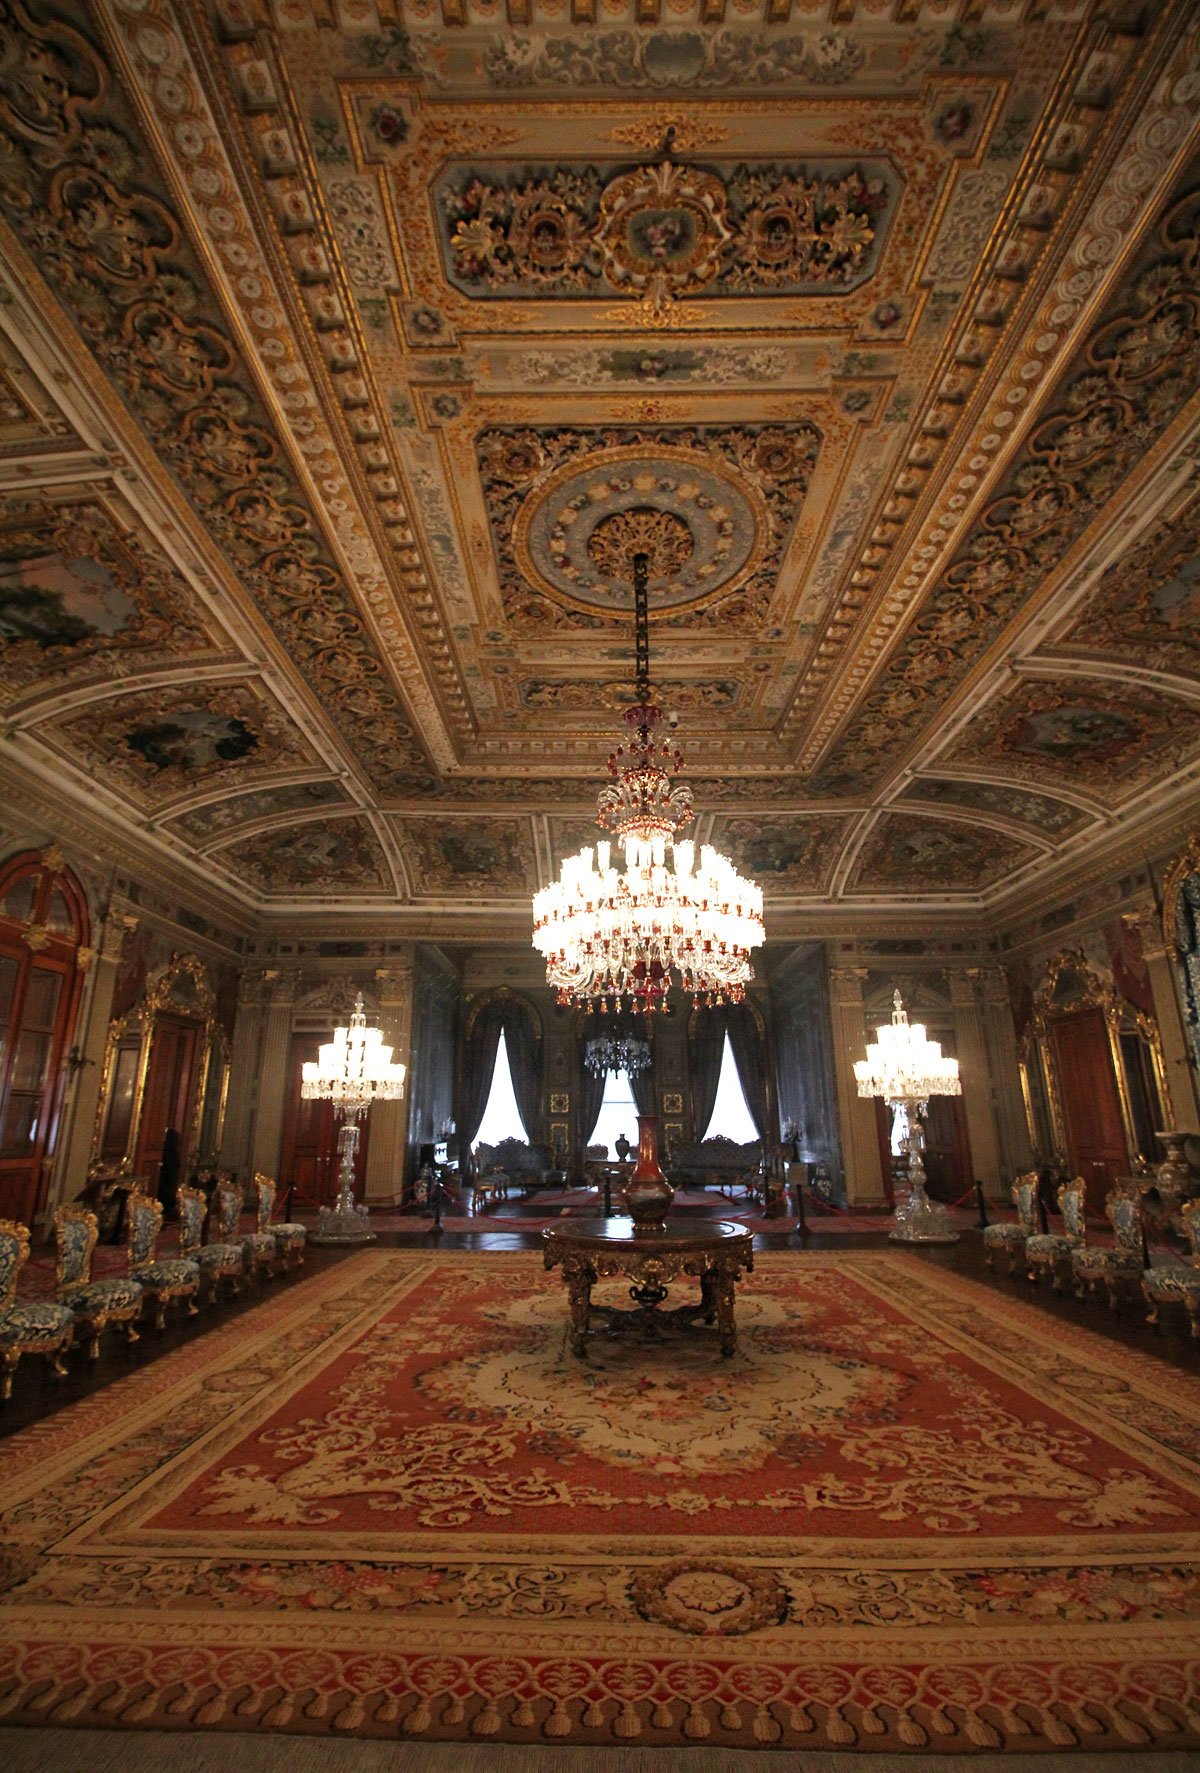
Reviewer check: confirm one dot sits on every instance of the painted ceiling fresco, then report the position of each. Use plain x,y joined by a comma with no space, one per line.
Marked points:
348,348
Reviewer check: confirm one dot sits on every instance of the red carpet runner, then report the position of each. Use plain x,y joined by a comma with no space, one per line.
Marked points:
909,1513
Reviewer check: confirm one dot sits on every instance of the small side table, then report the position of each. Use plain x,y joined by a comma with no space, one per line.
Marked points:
715,1253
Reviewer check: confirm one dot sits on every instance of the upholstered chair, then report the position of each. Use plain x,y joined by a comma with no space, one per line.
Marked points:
1177,1284
1120,1265
174,1277
259,1245
1052,1250
216,1261
33,1327
290,1236
1010,1236
94,1303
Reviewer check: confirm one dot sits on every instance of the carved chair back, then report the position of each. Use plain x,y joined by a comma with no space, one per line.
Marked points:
76,1232
265,1203
193,1210
1191,1228
14,1249
145,1223
1024,1194
1125,1216
1072,1206
229,1209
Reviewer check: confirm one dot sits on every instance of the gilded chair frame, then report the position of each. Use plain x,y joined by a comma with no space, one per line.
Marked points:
1054,1254
50,1341
161,1293
92,1321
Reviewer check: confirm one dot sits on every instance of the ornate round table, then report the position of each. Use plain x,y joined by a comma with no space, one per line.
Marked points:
586,1249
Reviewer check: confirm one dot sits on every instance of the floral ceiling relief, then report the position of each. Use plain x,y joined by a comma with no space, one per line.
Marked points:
161,743
468,858
711,61
784,854
1147,606
664,231
219,817
1053,818
580,696
1082,734
81,597
78,184
321,856
1124,386
713,506
907,853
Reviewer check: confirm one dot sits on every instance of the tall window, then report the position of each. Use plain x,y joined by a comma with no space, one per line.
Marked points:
730,1116
618,1114
501,1117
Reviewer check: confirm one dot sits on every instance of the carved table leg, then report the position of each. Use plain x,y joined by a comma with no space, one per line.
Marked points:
708,1303
722,1293
579,1294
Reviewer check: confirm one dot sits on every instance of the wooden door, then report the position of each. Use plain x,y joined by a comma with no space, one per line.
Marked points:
1087,1084
42,924
884,1117
309,1165
947,1149
168,1097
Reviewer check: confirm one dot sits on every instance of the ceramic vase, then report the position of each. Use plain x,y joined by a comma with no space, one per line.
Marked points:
648,1194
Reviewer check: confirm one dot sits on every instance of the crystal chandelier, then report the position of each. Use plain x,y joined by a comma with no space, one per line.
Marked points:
616,1052
617,936
352,1070
905,1067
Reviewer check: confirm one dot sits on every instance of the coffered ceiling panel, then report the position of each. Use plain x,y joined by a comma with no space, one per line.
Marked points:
349,349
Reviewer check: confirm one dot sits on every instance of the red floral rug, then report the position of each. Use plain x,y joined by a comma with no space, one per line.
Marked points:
908,1513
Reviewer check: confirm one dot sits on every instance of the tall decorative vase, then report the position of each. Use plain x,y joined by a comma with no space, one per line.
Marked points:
648,1194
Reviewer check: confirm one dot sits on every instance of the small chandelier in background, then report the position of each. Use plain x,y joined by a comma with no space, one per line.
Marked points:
616,1052
352,1070
615,937
905,1067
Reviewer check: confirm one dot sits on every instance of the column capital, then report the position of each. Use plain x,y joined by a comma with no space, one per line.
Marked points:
964,983
846,984
1147,921
280,985
116,926
394,980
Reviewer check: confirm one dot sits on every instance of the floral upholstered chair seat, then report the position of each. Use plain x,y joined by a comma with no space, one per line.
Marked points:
1119,1264
43,1327
95,1303
174,1277
224,1259
1010,1236
1178,1284
1053,1250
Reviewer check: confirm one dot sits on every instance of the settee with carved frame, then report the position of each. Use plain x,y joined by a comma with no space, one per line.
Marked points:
523,1166
719,1163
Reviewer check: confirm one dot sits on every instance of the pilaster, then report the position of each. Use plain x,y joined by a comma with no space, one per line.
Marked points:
860,1139
974,1070
244,1057
267,1139
1181,1105
79,1130
1012,1122
388,1143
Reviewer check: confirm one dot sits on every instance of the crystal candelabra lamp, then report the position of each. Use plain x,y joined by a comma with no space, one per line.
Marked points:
352,1070
625,920
905,1067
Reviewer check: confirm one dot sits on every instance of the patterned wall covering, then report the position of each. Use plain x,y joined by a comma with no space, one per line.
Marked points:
341,369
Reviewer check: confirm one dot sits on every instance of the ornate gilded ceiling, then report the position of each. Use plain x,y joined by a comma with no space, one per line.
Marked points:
347,347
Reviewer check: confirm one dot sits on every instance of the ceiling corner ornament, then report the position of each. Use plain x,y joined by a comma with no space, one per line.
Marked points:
619,938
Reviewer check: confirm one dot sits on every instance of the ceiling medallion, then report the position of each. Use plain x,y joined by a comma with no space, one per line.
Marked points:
664,539
618,938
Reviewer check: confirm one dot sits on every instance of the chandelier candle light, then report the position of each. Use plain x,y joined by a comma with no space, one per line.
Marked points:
905,1067
615,935
352,1070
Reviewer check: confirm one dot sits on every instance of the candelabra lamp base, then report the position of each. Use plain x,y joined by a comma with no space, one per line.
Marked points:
920,1220
338,1225
345,1222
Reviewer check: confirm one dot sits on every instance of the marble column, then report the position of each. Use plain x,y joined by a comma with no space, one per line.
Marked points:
1012,1121
388,1143
857,1114
974,1070
79,1136
244,1059
267,1139
1181,1109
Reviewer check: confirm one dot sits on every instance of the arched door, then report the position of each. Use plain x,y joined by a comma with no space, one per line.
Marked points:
43,931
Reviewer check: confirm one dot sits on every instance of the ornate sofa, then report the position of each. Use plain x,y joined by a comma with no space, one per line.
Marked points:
718,1163
523,1166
